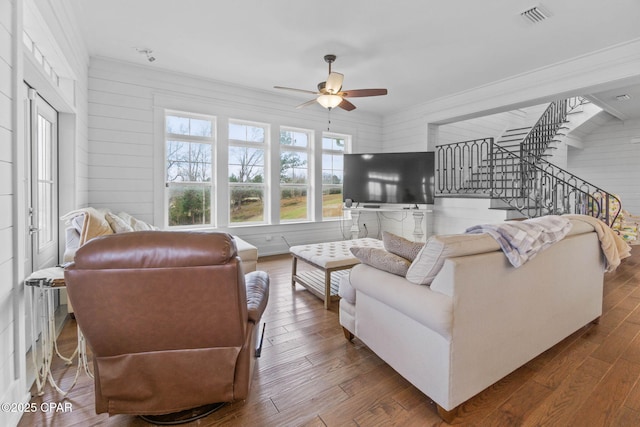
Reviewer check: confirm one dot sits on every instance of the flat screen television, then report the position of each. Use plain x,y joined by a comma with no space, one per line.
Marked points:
389,178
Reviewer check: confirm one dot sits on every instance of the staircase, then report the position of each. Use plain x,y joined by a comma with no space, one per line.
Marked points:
514,171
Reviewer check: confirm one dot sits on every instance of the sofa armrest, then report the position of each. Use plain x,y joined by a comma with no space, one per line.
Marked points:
257,283
418,302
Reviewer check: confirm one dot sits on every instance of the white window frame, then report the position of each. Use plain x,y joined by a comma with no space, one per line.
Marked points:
323,151
308,150
190,138
265,146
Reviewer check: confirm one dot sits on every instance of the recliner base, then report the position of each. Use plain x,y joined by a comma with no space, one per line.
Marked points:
183,417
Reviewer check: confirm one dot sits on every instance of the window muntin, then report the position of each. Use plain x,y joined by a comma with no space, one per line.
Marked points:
247,172
333,148
295,184
189,167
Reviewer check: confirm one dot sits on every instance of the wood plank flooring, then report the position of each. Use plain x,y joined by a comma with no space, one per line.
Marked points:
310,375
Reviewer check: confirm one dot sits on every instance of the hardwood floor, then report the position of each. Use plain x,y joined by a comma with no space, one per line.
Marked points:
310,375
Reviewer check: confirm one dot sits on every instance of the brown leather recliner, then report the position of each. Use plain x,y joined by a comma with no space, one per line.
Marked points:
170,320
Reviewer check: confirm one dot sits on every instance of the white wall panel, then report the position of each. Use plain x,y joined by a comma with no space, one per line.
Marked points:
611,161
454,215
13,387
6,201
9,387
6,115
6,179
6,146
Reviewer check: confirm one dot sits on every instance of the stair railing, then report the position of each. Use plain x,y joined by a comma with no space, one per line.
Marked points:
545,130
535,143
481,167
459,167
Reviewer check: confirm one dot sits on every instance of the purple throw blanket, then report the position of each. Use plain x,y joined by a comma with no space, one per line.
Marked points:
523,240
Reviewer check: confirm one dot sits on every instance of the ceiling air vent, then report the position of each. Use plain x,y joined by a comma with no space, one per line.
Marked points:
535,14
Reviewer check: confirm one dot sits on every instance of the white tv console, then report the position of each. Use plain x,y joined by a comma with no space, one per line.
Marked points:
418,218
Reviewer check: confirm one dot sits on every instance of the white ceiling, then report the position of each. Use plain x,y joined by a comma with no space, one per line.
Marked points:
418,50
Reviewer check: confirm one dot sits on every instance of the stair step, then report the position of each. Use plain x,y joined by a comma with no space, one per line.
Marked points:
557,123
514,134
463,195
507,140
514,129
502,208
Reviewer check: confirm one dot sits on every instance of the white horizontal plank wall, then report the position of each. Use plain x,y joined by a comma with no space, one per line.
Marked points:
611,161
454,215
73,131
491,126
10,387
122,99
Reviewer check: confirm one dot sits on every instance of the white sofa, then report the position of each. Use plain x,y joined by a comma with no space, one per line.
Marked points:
480,318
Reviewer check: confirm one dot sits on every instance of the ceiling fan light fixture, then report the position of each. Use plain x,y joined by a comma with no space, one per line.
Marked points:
329,101
334,83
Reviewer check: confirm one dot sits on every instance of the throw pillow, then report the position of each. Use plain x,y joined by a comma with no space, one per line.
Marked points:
118,224
381,259
134,223
431,258
400,246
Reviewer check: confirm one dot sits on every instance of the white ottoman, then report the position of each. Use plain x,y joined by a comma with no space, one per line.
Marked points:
327,257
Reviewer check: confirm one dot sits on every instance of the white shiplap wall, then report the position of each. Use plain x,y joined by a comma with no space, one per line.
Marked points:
125,108
611,161
72,104
492,126
10,388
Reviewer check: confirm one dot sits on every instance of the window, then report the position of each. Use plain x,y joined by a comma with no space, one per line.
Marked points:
295,147
189,144
333,149
247,145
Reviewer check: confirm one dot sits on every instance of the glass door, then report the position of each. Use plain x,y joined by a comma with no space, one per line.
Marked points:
41,188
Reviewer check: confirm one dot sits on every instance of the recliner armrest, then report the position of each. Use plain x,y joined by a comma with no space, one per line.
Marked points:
257,284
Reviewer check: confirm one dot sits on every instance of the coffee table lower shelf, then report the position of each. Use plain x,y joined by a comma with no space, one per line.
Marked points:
314,282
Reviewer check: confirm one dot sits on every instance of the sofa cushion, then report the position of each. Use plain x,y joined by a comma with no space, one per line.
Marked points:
382,260
438,248
135,223
400,246
118,224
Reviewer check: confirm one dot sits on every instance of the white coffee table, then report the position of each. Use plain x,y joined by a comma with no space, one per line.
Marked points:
327,258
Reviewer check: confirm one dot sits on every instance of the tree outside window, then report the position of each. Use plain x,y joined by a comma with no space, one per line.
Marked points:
294,174
247,172
333,149
189,164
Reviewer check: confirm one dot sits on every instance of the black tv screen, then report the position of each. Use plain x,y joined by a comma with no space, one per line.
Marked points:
389,177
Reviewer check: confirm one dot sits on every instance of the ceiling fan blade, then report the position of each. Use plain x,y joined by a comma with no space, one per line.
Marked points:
296,90
306,104
363,92
334,83
346,105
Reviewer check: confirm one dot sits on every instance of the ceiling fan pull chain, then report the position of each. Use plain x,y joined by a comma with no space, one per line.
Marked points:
329,120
